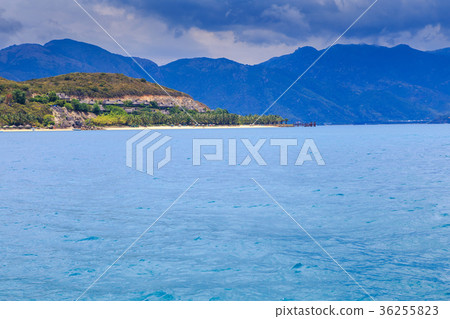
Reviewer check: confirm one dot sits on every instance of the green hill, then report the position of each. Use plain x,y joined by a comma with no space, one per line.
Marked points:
34,102
101,99
98,85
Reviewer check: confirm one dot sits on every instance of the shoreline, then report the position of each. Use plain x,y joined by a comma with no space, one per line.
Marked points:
140,128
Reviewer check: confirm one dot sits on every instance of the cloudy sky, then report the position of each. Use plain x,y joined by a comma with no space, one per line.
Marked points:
245,31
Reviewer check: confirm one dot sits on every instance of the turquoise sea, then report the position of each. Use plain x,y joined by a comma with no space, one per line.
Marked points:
69,207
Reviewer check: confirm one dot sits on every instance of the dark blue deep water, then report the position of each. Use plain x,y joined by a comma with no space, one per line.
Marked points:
69,206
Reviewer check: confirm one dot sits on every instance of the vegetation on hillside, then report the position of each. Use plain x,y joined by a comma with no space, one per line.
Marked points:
31,102
16,109
177,116
98,85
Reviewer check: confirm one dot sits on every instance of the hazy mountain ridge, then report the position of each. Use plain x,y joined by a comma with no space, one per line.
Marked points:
351,84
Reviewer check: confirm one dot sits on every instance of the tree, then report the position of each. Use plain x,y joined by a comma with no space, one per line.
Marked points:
48,120
60,103
220,111
52,97
115,109
83,107
19,96
68,106
39,98
76,105
153,104
96,109
174,110
128,103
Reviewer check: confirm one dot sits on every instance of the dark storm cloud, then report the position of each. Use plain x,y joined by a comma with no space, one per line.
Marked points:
246,31
294,19
9,26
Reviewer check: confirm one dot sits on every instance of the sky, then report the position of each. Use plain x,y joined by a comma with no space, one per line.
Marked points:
245,31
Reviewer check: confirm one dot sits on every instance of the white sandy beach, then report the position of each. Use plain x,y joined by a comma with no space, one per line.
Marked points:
128,128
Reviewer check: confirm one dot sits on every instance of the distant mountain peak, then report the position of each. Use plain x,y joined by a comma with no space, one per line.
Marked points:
66,41
73,47
305,49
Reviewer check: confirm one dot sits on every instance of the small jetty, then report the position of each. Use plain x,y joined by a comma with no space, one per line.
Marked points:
310,124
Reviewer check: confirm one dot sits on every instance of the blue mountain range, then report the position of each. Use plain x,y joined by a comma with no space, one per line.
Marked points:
350,84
